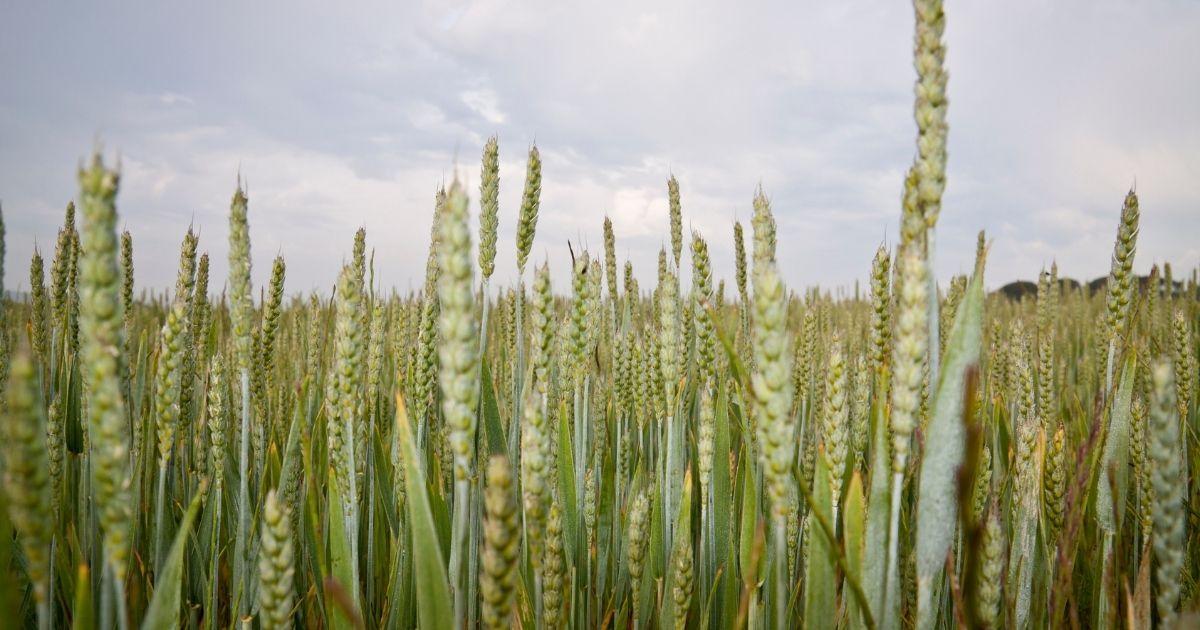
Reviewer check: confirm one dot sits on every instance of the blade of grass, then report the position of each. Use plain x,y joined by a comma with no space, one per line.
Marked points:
434,607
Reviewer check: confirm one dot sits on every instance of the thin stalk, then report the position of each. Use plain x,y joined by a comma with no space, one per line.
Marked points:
473,553
780,596
188,465
537,576
473,549
240,561
459,531
702,574
88,508
618,484
518,375
537,601
580,427
53,364
352,529
368,496
934,349
158,515
48,616
43,614
119,597
580,479
892,567
108,603
1108,371
669,487
1106,578
483,326
214,577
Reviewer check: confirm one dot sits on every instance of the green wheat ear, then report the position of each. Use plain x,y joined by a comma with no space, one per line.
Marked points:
342,393
764,230
166,400
542,323
39,314
991,567
881,310
26,483
909,353
1166,452
1120,279
457,354
610,259
676,211
638,532
500,545
773,387
553,567
702,297
535,479
1054,483
531,200
270,318
683,582
59,268
930,108
276,565
216,421
100,322
241,307
489,207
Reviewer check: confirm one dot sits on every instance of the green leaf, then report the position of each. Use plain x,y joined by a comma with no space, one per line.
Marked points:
341,554
937,499
311,541
84,620
875,569
653,560
399,613
491,414
750,572
164,606
291,453
434,608
566,483
605,509
820,585
722,510
854,529
1116,449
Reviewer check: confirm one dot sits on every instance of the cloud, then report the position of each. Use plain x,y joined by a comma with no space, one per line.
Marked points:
484,103
346,119
172,98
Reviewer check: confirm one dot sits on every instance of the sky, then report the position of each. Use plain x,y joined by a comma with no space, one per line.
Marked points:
344,118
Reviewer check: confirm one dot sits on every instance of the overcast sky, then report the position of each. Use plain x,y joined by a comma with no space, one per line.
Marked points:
339,119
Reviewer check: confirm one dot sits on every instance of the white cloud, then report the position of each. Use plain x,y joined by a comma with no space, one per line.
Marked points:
348,119
484,103
173,98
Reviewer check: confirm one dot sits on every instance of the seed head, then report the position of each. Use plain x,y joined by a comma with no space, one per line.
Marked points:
772,386
100,321
489,207
25,472
531,199
276,566
1166,452
457,354
501,535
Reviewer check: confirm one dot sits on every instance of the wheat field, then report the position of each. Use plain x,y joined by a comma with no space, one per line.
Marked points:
924,454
